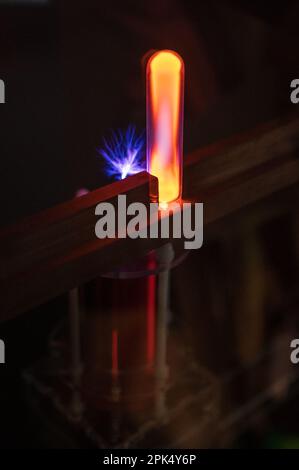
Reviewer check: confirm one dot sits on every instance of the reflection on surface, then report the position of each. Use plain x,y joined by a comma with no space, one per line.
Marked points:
201,371
226,378
137,384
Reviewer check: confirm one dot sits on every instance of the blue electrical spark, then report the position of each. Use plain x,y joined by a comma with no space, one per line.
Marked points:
124,153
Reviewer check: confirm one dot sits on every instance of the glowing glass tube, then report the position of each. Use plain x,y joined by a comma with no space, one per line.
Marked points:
165,107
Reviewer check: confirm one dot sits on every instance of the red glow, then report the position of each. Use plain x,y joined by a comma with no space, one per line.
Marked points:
165,98
151,324
115,353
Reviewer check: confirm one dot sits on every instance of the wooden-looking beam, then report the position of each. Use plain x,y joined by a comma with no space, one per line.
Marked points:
56,250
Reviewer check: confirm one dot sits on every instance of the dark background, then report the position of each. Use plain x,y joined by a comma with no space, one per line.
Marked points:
75,70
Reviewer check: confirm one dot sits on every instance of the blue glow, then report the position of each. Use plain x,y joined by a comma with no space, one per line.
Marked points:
124,153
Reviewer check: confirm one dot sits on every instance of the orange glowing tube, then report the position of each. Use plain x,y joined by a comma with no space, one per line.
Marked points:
165,103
